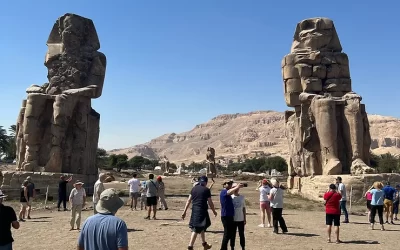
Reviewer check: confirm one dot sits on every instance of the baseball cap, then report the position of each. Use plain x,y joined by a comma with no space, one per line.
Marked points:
109,202
203,179
264,181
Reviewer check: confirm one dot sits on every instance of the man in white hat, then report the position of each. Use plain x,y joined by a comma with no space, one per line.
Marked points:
98,189
8,218
105,231
77,199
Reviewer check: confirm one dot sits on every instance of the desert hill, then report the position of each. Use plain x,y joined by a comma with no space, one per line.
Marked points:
245,135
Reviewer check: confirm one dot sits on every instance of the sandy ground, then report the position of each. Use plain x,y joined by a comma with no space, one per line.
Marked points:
49,229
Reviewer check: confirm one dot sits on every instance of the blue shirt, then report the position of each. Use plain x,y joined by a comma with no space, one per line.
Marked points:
227,208
377,197
389,192
103,232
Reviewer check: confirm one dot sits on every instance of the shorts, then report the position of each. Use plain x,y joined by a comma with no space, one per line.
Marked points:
388,205
265,205
369,204
333,218
151,201
135,195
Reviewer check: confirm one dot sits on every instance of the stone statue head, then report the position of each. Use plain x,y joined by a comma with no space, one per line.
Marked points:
316,34
74,31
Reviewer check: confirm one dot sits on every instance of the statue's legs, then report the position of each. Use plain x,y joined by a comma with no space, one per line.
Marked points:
355,130
63,108
31,131
324,112
20,143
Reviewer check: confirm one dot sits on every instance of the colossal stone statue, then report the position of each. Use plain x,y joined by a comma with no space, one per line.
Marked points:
328,131
57,130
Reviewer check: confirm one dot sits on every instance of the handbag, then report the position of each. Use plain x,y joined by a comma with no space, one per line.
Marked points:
328,199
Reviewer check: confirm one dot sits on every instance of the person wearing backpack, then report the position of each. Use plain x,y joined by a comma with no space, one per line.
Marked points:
152,196
332,209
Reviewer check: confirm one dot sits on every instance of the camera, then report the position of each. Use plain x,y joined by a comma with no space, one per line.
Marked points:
245,184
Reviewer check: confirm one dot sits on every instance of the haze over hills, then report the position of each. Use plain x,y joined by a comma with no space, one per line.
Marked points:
254,133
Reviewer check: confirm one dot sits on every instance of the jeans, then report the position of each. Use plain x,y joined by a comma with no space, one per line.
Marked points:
229,232
239,226
344,209
62,198
6,247
380,213
277,218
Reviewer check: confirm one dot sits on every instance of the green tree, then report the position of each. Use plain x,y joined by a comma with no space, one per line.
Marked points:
276,162
3,141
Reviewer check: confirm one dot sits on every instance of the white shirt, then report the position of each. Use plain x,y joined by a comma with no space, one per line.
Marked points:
238,203
342,190
264,192
277,201
98,189
134,185
77,196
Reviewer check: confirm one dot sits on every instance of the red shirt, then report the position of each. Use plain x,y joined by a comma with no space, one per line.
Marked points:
333,204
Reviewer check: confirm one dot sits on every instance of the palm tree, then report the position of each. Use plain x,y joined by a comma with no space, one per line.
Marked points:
3,140
12,130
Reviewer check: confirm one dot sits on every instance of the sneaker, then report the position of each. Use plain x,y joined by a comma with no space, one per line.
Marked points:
387,222
284,232
206,246
166,208
261,225
147,218
269,225
29,217
190,248
372,226
392,222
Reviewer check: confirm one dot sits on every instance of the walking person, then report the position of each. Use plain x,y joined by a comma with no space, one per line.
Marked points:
332,211
134,188
276,198
341,188
31,195
62,192
77,199
104,230
396,202
228,213
24,199
152,192
377,203
98,189
200,198
8,219
264,187
161,193
239,219
368,197
388,202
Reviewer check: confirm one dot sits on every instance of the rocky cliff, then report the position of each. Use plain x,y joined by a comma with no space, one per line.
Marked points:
258,133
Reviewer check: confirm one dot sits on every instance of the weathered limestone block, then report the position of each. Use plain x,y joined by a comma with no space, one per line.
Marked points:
293,85
57,129
328,133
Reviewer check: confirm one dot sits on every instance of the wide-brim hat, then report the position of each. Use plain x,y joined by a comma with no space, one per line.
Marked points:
2,195
78,183
109,202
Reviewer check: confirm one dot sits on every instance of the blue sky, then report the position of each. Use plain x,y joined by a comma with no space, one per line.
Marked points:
174,64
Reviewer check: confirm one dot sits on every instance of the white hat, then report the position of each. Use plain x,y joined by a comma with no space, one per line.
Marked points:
78,183
2,195
28,178
109,202
274,182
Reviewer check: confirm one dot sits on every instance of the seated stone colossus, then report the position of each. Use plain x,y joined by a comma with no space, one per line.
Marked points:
57,130
328,131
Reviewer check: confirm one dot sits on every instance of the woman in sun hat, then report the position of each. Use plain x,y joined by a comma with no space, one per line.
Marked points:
77,199
276,198
264,187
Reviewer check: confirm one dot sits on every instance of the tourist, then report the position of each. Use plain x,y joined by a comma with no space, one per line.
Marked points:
134,188
152,192
98,189
239,203
24,199
368,196
377,203
143,198
77,199
161,193
8,219
332,209
200,198
388,201
276,198
62,192
264,187
341,188
105,231
31,195
228,213
396,202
